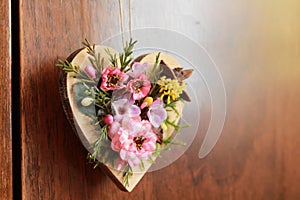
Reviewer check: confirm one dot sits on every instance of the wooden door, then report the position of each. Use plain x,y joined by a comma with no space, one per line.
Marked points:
6,177
254,43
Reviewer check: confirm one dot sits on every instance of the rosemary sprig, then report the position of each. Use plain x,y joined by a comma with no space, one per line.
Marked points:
93,160
168,140
153,76
67,66
125,57
156,61
160,149
142,166
172,105
174,125
103,101
155,72
126,174
97,145
112,58
95,58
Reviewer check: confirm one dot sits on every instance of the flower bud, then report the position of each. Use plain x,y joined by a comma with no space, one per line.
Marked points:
90,70
147,102
108,119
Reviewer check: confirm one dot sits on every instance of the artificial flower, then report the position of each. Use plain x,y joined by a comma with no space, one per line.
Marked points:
156,113
139,87
137,69
112,79
113,128
137,119
122,108
170,88
134,140
147,102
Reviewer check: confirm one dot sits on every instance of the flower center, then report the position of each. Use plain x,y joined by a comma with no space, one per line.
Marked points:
113,80
137,85
139,142
122,110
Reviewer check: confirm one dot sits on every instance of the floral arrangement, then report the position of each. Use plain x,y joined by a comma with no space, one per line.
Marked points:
130,102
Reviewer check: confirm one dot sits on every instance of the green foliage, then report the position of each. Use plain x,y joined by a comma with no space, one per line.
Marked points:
96,147
172,106
169,140
174,125
112,58
67,66
160,149
126,174
154,74
103,100
95,58
100,101
125,57
80,91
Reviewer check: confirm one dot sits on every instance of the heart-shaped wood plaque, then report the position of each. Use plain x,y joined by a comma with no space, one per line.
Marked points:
125,111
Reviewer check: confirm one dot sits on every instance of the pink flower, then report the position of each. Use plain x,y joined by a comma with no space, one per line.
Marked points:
156,113
90,70
134,140
139,87
113,129
137,69
112,79
122,108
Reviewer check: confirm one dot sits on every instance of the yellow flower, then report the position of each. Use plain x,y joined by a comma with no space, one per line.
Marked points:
170,88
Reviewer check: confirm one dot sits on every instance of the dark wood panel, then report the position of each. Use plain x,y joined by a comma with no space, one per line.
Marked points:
257,156
5,106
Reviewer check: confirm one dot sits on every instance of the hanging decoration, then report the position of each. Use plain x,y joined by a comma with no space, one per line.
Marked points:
125,110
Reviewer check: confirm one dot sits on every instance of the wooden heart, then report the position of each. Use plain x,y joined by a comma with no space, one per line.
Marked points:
84,125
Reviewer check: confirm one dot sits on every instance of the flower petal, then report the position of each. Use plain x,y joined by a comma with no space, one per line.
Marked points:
113,129
155,120
137,69
134,111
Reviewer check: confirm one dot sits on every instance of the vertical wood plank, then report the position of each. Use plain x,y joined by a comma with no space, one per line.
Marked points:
255,43
5,102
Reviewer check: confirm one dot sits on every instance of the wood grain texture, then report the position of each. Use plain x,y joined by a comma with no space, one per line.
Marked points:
5,106
256,45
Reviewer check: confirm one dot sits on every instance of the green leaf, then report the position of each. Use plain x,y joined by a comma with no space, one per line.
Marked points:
79,93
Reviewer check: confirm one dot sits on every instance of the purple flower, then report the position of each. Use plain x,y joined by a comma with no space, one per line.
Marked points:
123,108
137,69
156,113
